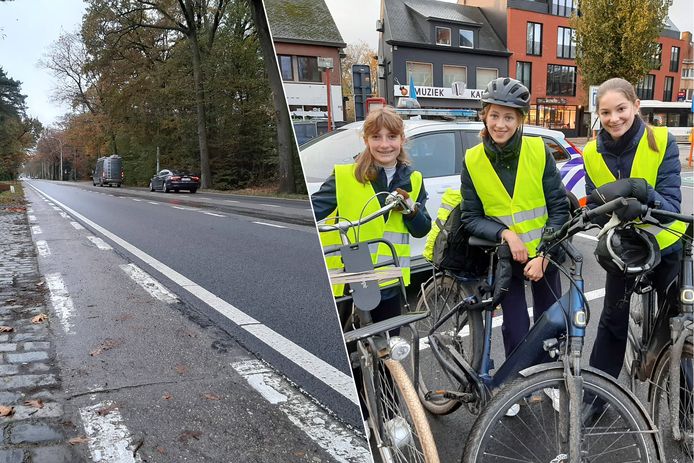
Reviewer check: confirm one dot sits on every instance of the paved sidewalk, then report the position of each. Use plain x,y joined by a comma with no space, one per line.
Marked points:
36,431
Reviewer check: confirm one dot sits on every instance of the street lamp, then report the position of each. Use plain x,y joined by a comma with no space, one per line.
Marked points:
326,65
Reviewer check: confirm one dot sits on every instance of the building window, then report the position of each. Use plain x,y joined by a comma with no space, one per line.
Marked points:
667,91
566,43
308,69
443,36
675,59
563,7
644,89
454,74
486,75
467,38
421,73
657,58
534,42
687,73
561,80
523,73
286,67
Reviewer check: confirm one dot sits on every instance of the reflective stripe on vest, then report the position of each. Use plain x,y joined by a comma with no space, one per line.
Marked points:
526,212
450,199
646,164
351,198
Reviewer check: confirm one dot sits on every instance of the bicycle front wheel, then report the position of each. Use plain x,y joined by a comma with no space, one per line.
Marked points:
399,424
660,401
462,333
619,433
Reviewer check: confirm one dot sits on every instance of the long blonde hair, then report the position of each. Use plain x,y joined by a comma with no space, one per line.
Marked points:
617,84
379,118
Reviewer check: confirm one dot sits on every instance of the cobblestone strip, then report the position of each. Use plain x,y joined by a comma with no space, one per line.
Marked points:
36,431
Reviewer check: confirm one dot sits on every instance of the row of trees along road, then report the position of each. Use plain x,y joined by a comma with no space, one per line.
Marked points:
189,79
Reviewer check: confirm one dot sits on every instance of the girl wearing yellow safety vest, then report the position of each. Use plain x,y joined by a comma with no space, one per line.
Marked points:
632,159
511,191
382,166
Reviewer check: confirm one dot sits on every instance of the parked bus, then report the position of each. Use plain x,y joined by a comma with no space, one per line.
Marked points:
676,116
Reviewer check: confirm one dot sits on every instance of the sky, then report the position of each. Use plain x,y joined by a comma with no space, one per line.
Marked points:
29,27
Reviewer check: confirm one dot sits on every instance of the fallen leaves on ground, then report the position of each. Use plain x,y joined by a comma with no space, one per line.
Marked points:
36,403
78,440
210,396
6,411
181,369
167,396
188,435
40,318
6,329
108,344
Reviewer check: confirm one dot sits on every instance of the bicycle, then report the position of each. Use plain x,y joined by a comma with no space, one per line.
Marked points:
544,430
397,420
660,338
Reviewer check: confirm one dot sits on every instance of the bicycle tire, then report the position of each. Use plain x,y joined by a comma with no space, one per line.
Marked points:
406,434
463,332
660,407
532,435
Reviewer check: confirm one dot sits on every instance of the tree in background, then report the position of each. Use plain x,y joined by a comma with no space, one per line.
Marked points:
357,53
617,38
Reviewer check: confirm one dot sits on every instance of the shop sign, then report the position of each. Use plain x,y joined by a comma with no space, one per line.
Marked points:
438,92
559,101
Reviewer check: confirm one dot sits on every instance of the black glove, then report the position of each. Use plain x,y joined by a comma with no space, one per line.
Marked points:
631,211
624,188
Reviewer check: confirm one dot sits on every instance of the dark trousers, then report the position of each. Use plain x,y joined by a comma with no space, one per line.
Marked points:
516,322
611,340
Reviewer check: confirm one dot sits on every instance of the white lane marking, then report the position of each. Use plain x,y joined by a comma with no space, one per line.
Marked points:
44,250
77,226
270,224
587,237
331,435
230,201
149,284
56,208
185,208
63,215
109,439
30,211
213,214
153,202
331,376
50,203
138,200
62,302
101,244
269,205
36,230
32,218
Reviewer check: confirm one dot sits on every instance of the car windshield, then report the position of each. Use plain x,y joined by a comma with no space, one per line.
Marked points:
318,159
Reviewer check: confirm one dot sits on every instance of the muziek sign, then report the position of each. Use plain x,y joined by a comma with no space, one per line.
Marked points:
438,92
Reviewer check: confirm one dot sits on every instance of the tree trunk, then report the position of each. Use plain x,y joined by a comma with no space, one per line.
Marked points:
286,146
205,176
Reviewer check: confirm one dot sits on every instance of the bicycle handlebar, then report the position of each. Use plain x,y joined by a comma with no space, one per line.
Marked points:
392,201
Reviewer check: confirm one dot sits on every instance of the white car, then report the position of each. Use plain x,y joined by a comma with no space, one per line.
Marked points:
436,149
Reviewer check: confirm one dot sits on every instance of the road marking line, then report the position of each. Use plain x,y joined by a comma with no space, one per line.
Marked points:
101,244
36,230
109,439
230,201
335,438
60,297
149,284
153,202
185,208
77,226
135,199
44,250
269,205
63,215
32,218
328,374
270,224
30,211
212,213
50,203
56,208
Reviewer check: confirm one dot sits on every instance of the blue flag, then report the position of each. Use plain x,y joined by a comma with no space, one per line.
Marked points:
413,92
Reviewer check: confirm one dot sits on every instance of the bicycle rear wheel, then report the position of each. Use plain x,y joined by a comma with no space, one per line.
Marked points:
463,333
621,433
398,421
660,400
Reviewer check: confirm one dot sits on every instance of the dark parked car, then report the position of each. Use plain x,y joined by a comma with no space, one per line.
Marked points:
174,180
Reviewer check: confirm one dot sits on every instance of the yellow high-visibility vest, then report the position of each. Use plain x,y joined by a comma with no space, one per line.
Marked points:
646,164
526,212
352,195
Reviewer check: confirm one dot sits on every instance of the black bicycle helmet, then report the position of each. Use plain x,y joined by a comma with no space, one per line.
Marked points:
505,91
627,250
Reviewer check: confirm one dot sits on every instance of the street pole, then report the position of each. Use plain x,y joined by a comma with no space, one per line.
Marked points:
61,160
157,161
326,65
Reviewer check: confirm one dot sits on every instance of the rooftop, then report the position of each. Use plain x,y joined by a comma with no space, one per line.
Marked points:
302,21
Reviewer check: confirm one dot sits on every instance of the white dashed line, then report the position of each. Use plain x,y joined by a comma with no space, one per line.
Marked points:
152,286
324,430
230,201
270,224
153,202
32,218
56,208
63,215
213,214
269,205
110,441
101,244
77,226
62,302
184,208
44,250
135,199
36,230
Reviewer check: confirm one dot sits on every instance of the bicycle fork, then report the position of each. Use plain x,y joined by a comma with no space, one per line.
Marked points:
570,428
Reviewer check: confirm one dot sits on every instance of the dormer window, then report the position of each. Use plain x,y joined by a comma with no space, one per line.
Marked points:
443,36
467,38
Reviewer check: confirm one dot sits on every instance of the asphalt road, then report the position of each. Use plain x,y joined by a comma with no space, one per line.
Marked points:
269,268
